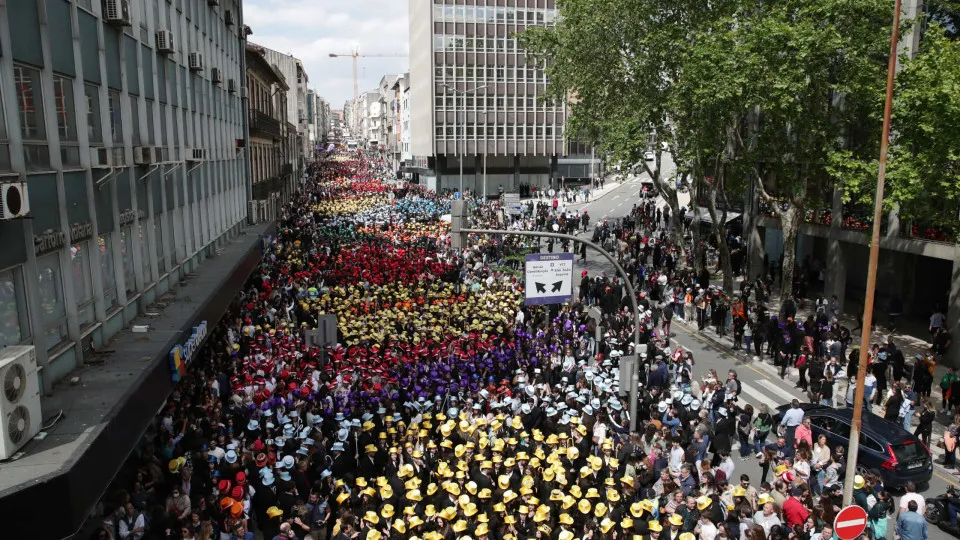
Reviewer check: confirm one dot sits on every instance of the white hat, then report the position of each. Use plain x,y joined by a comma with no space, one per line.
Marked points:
662,407
587,409
337,447
231,456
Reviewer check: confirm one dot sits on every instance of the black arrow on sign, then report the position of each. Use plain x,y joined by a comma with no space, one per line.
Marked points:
556,286
541,287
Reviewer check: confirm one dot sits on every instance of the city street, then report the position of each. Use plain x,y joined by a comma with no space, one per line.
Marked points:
760,380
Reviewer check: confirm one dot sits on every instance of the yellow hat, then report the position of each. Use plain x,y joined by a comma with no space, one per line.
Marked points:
448,513
430,510
565,535
342,497
508,496
372,517
764,499
703,501
460,526
687,536
584,506
387,511
628,480
858,482
471,487
452,488
739,492
636,510
606,525
566,519
600,509
374,534
503,481
676,520
482,530
612,495
470,509
626,522
386,492
273,512
556,495
485,493
414,495
415,521
592,493
655,526
400,526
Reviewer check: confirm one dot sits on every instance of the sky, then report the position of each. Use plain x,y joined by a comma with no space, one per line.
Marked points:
312,29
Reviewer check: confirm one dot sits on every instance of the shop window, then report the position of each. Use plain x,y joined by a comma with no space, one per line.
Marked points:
82,284
108,272
14,322
52,308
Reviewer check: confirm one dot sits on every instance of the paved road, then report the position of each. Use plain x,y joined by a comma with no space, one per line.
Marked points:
761,382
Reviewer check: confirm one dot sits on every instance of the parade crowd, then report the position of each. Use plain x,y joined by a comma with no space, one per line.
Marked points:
449,409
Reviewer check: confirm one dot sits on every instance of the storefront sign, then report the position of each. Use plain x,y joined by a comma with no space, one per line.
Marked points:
129,216
49,240
80,232
182,355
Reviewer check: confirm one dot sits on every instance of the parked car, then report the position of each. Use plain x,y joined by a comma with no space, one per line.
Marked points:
885,446
649,156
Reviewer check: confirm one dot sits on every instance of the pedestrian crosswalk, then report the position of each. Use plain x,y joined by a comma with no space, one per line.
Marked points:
771,393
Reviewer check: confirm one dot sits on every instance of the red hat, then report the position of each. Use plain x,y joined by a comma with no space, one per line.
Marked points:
258,445
237,492
584,274
241,478
261,460
223,486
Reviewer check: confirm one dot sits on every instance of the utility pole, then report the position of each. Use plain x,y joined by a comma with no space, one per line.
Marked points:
458,241
854,449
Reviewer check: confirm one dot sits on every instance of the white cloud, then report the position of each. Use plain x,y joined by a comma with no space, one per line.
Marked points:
312,29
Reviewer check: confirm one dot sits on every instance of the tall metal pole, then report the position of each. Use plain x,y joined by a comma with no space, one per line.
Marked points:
854,448
463,135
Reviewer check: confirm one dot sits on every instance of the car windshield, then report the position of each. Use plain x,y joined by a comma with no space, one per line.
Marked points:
907,452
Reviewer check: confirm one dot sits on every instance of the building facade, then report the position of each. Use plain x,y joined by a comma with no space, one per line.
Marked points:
292,70
477,98
271,170
127,134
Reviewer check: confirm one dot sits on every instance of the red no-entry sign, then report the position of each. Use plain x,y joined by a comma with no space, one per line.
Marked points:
850,523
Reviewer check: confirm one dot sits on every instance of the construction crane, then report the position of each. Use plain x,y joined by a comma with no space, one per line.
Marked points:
356,85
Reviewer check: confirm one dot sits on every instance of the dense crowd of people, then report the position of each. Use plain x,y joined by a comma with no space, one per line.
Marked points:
450,409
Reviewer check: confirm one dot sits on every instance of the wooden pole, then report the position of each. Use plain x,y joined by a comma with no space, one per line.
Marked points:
854,448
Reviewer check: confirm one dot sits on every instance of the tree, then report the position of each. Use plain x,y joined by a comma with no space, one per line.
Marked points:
923,164
621,66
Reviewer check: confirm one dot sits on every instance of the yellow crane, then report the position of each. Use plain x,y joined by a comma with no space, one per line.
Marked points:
355,55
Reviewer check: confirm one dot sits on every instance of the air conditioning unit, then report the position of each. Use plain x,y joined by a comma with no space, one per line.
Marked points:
100,157
143,155
252,208
196,61
20,403
196,154
165,41
243,92
14,201
119,157
117,12
228,17
232,86
216,75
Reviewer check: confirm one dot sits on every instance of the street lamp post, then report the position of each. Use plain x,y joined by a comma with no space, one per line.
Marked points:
462,150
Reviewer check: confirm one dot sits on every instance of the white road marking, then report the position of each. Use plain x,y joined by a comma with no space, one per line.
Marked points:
772,386
755,394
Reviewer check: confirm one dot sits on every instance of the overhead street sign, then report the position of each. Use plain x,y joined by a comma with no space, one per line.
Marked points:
850,522
549,278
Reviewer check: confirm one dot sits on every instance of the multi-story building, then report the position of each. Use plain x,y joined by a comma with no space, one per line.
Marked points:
270,166
292,70
402,125
351,122
123,130
388,127
467,71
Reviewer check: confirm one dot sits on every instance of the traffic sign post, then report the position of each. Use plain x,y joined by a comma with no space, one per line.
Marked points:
549,278
850,523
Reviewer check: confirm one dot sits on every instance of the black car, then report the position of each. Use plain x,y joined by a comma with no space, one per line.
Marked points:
885,446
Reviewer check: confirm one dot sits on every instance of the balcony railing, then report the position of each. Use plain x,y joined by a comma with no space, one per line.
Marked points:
263,124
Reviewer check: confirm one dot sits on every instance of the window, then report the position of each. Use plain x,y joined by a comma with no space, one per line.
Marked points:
438,43
82,284
30,103
116,116
107,272
14,323
135,115
66,121
438,13
94,129
144,253
36,153
53,310
4,145
150,123
126,252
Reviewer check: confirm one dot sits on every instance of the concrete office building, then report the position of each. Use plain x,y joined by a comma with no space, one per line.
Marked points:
512,136
125,123
292,70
